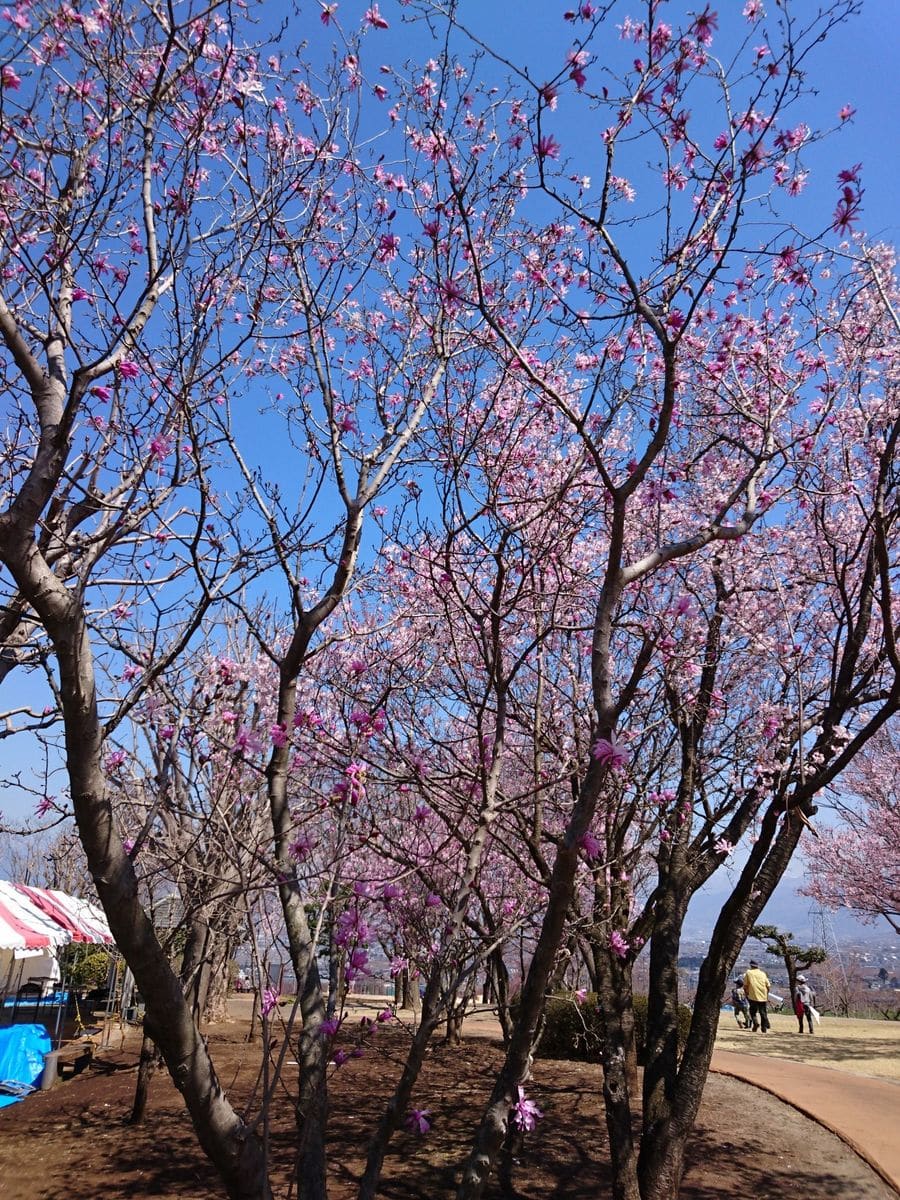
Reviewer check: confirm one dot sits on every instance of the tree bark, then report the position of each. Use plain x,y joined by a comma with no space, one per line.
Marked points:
147,1063
399,1101
236,1152
492,1130
616,1008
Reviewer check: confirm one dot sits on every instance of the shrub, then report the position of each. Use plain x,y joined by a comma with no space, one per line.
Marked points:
572,1030
87,967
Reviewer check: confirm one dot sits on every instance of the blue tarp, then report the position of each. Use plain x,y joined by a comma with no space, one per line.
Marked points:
54,1000
22,1050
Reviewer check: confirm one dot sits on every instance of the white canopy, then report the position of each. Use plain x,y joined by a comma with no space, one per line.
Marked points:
35,919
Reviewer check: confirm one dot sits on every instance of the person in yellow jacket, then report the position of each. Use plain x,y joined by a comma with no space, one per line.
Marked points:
756,989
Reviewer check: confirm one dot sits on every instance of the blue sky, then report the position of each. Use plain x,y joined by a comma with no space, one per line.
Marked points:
857,65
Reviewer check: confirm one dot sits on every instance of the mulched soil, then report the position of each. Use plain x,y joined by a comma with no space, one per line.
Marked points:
73,1142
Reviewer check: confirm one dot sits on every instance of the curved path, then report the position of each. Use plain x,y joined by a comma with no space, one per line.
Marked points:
863,1111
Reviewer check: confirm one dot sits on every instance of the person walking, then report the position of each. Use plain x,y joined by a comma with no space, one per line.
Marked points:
756,989
740,1005
804,1003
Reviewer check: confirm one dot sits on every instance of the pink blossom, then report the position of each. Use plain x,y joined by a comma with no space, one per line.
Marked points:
704,26
160,447
330,1027
128,369
723,846
846,112
388,248
525,1113
353,785
279,736
847,211
102,392
451,292
246,742
610,753
269,1000
577,60
10,79
44,805
328,11
114,760
374,18
128,845
301,847
618,943
340,1057
306,718
418,1120
590,844
359,959
797,183
548,147
16,18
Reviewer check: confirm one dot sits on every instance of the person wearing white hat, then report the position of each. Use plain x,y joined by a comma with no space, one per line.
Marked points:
804,1002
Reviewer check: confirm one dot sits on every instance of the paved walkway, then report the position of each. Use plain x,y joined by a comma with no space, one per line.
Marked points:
864,1112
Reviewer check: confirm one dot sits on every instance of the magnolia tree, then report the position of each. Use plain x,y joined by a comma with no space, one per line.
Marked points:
152,203
626,470
854,865
689,375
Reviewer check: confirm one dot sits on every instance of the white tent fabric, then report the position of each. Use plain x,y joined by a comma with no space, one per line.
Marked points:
85,922
23,926
34,919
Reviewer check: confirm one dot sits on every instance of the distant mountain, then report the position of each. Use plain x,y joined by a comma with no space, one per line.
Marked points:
789,911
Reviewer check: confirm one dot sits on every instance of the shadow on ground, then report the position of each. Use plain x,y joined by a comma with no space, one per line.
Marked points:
78,1144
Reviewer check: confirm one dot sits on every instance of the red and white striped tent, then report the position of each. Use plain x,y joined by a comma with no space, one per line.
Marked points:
34,923
82,921
33,918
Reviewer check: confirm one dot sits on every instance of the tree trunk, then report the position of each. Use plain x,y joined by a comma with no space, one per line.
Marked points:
661,1044
407,991
215,1009
514,1072
236,1151
616,1007
500,979
312,1106
487,988
669,1122
456,1014
147,1064
193,960
399,1101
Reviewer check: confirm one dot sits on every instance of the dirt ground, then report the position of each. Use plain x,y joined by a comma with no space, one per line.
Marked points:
73,1143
